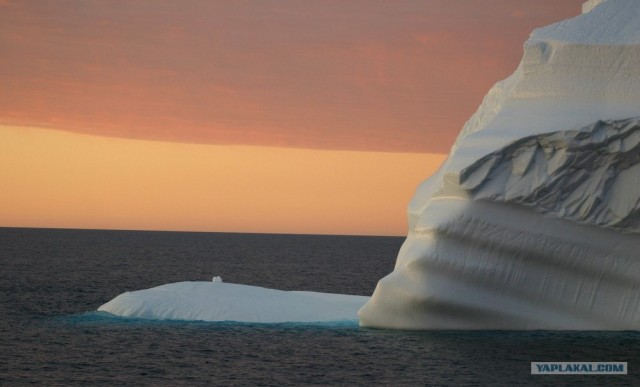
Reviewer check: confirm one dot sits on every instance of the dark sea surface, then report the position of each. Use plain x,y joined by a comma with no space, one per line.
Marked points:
52,281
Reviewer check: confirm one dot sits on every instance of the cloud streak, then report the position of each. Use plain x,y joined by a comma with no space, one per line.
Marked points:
360,75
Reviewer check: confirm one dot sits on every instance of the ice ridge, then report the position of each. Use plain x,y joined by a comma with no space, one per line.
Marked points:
587,176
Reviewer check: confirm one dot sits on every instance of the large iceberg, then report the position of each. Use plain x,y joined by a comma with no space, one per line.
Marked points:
533,222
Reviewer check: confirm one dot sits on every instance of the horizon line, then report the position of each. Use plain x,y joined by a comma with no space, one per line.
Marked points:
199,231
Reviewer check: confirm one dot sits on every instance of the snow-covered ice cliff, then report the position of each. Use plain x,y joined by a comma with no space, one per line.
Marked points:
533,222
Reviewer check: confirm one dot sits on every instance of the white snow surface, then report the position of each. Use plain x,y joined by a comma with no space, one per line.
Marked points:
533,222
572,74
590,29
589,5
220,301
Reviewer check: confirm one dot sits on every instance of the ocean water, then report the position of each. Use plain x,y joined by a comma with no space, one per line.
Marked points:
52,281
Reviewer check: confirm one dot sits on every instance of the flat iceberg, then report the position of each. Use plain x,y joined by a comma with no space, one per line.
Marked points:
220,301
533,221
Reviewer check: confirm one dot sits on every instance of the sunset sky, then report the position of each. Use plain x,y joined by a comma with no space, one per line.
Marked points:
242,116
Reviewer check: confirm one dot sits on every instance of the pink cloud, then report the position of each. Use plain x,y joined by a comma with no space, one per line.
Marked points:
370,75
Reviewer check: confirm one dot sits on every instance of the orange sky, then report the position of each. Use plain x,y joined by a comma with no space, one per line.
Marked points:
270,90
59,179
